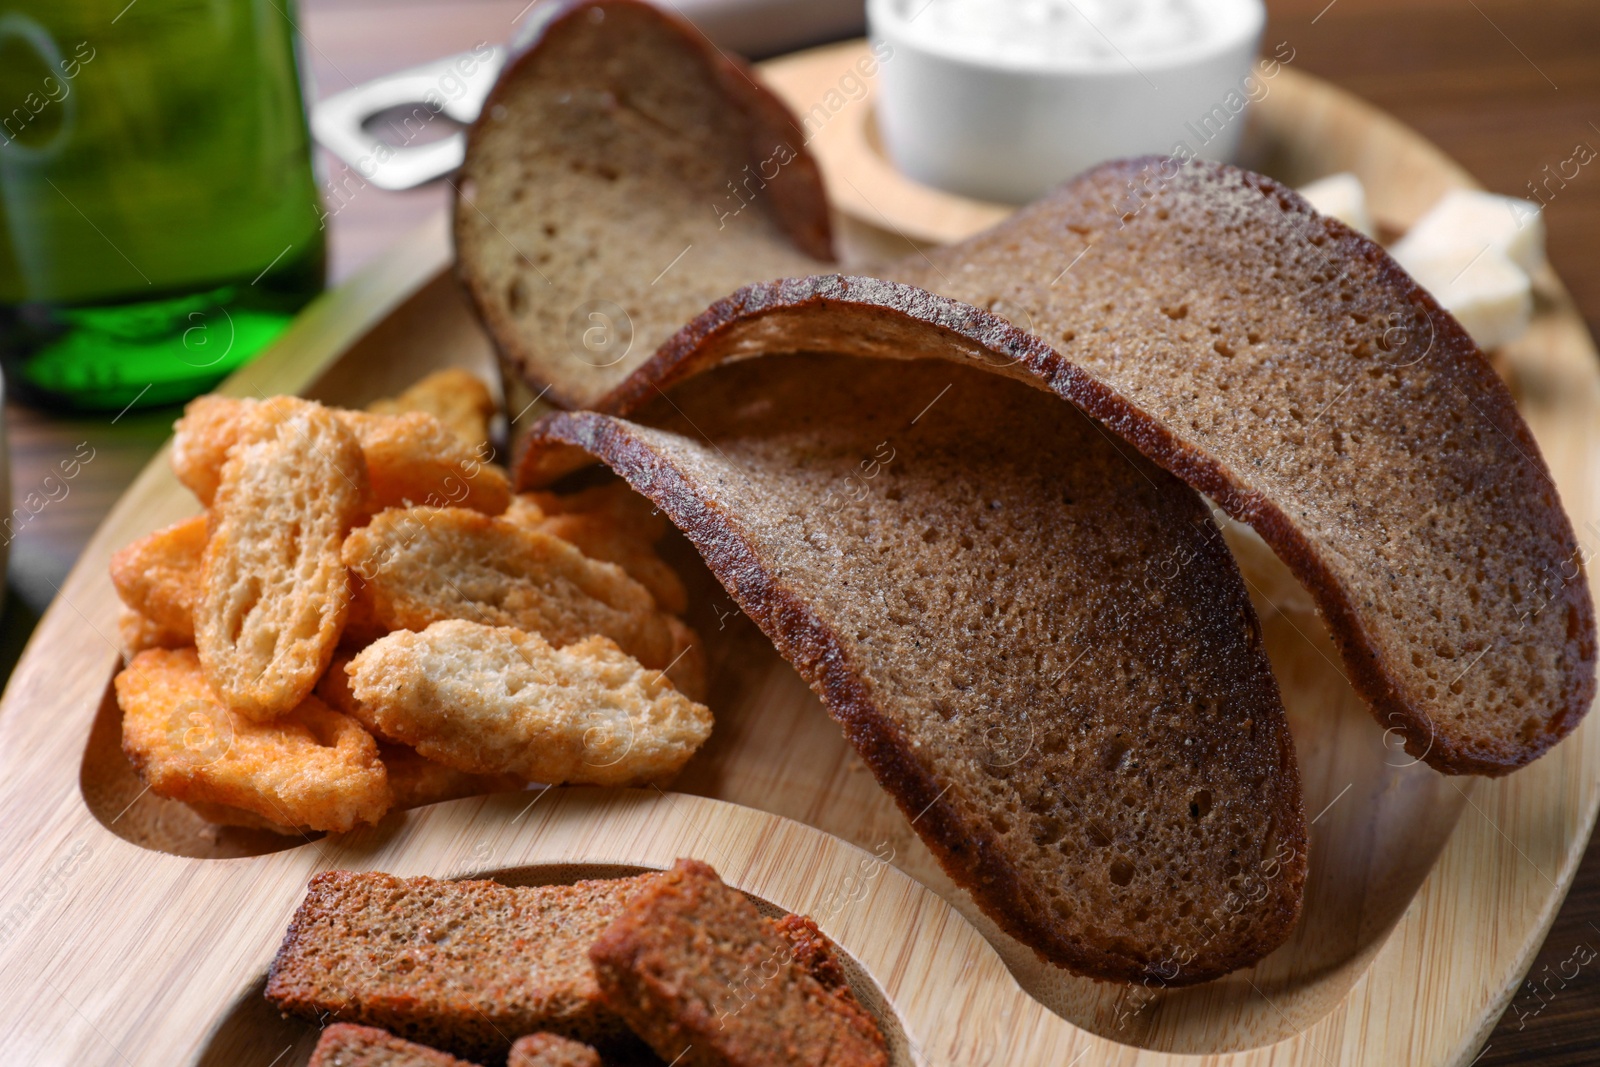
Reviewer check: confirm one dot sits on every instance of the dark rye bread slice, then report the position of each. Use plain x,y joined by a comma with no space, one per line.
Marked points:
1035,638
1391,472
462,966
1283,364
624,174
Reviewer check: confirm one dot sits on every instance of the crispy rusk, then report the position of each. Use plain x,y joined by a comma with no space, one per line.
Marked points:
274,590
313,767
415,459
334,685
423,565
159,575
411,457
365,947
417,780
210,426
455,397
680,964
349,1045
551,1050
414,779
601,535
493,699
136,633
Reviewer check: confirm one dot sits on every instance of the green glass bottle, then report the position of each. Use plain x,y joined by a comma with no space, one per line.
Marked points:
159,220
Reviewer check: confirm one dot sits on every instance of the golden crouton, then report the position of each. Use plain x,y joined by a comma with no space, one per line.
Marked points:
454,397
158,575
313,767
135,633
411,458
492,699
551,1050
600,534
416,780
201,438
422,565
274,590
414,459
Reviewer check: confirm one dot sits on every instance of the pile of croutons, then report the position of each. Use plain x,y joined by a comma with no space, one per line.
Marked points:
366,618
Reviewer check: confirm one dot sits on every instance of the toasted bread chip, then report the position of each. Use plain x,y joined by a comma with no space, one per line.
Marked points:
274,589
492,699
455,397
313,767
136,633
423,565
414,459
706,979
607,535
416,780
411,458
210,426
551,1050
159,575
348,1045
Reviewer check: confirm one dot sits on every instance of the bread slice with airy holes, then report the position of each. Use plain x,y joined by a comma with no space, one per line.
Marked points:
1283,364
624,174
1035,638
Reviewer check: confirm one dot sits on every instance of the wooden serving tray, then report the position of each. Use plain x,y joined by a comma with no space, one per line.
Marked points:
132,933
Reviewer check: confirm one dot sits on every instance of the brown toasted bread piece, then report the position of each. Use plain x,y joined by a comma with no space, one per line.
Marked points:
349,1045
496,700
457,398
707,981
1283,364
623,174
311,767
1035,638
158,575
551,1050
463,966
273,589
419,566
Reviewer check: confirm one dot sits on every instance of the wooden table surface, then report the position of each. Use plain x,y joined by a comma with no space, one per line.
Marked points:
1508,87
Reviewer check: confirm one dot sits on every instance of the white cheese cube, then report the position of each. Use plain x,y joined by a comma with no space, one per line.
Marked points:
1467,218
1343,197
1489,294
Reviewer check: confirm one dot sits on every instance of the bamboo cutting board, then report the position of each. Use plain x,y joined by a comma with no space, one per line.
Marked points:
134,934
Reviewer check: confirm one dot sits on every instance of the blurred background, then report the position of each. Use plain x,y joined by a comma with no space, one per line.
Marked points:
1509,89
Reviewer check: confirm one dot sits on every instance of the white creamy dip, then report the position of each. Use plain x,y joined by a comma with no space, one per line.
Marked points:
1043,34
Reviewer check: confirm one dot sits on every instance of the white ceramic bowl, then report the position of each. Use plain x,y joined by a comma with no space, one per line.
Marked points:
989,108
